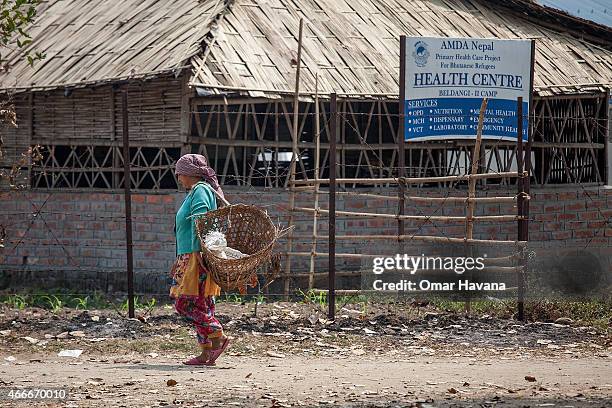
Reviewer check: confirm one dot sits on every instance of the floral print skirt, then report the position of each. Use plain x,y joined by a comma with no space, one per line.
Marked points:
194,294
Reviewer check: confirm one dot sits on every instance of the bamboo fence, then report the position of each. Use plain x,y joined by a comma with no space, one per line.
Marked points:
508,264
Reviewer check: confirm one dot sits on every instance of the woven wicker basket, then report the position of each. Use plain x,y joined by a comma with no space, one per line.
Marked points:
248,229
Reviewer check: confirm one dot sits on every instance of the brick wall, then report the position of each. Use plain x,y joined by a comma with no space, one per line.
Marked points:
78,240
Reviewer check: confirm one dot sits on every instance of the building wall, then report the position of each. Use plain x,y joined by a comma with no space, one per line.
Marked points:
71,119
78,239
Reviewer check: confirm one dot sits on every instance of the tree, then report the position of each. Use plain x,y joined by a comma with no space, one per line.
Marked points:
16,16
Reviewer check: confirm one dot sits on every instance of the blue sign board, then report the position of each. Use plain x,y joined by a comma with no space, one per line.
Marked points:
446,80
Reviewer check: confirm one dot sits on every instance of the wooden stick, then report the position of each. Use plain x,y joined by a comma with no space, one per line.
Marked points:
461,200
302,189
441,218
426,238
322,275
360,256
401,138
331,203
413,180
311,276
471,204
294,150
487,269
326,254
450,200
359,146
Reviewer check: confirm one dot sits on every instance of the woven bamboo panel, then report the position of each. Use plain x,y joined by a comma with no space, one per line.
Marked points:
86,114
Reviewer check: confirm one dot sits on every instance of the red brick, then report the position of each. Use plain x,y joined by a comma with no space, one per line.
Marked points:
492,210
553,207
153,199
539,236
575,206
596,203
567,195
575,225
584,233
562,234
355,204
544,196
452,231
566,216
491,230
138,198
596,224
544,217
454,212
371,202
376,223
592,192
553,226
589,215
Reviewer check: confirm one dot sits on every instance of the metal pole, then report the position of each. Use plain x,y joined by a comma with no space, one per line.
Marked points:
400,134
128,205
332,206
520,204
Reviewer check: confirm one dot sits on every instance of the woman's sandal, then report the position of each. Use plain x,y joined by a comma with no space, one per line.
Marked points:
196,360
215,353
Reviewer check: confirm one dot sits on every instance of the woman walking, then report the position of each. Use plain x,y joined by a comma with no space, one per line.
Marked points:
192,287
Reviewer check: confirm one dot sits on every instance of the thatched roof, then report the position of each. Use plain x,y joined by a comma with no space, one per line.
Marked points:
354,47
249,46
91,42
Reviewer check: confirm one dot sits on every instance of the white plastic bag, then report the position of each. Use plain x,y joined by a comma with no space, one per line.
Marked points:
216,242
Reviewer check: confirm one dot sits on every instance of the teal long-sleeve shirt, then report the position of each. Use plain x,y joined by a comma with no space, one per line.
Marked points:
200,199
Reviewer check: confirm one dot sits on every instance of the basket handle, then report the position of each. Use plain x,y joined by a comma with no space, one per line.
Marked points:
219,196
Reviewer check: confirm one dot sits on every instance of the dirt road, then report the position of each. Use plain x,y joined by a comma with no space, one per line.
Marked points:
290,355
298,381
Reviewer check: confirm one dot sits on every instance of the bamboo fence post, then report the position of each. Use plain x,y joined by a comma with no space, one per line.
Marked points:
401,158
520,183
469,223
311,276
129,244
333,137
294,150
471,205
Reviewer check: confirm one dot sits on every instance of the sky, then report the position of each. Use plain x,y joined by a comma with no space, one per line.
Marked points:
599,11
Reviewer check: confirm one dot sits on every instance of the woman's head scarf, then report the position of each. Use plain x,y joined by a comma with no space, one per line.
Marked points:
195,165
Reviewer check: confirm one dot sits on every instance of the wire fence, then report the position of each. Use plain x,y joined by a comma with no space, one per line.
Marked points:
40,217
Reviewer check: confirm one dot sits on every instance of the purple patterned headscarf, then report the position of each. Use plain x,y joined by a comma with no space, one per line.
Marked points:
195,165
